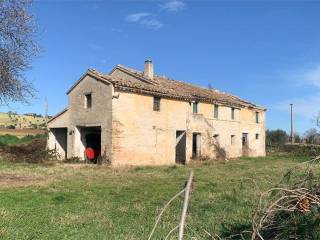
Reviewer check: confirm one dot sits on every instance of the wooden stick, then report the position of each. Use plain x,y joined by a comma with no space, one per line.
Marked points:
185,206
162,211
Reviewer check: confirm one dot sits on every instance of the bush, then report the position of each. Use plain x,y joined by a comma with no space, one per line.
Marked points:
301,149
14,140
276,138
33,152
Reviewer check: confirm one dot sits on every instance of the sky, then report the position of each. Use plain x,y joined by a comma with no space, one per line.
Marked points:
267,52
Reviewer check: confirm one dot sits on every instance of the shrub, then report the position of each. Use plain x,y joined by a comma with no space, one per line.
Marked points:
301,149
32,152
14,140
275,138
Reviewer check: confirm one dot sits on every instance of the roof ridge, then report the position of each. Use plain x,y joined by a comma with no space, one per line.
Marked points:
193,91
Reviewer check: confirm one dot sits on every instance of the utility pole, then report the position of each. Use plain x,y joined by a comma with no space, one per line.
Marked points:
46,112
292,134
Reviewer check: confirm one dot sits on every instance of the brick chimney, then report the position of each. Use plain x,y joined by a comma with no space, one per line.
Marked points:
148,69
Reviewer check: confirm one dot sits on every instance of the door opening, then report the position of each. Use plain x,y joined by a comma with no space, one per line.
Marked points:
61,145
91,139
245,144
181,147
196,148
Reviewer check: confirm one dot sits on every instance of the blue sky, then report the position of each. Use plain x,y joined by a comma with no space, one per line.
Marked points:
267,52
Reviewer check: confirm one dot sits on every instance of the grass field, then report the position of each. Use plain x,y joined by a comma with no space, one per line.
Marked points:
20,121
66,201
21,132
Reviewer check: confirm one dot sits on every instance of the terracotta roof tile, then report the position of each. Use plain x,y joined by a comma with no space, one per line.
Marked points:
135,81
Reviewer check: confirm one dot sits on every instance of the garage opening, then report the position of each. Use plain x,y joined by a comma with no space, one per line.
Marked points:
196,148
180,147
60,142
91,139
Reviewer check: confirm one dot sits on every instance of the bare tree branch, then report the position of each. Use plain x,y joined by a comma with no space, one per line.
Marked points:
17,49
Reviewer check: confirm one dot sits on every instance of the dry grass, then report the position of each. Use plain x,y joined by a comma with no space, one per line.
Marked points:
23,179
21,132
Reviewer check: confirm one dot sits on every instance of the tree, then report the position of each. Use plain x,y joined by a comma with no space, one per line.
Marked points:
312,136
276,137
297,138
317,120
17,49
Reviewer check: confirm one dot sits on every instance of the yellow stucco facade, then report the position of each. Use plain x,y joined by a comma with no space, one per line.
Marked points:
142,136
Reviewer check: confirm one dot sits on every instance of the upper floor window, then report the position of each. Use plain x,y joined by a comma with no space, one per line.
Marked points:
195,107
88,100
216,111
257,136
257,117
233,113
156,103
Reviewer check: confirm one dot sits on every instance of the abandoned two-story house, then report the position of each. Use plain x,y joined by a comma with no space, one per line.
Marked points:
140,118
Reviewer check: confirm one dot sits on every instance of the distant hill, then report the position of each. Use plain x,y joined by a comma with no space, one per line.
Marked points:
21,121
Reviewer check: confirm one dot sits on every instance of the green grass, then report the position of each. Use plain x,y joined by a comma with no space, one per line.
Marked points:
14,140
96,202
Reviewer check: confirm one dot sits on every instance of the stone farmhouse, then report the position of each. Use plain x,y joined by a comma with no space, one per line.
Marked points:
140,118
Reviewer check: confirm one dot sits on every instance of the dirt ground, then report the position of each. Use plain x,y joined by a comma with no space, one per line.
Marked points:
16,179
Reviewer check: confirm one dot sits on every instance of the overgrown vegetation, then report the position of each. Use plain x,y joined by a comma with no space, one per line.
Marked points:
14,140
28,149
310,150
276,138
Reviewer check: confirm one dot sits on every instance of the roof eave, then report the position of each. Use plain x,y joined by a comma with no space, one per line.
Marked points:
90,73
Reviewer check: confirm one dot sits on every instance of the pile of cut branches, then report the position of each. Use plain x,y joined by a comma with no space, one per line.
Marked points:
291,210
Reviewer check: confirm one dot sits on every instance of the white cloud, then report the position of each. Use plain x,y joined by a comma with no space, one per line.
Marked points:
146,19
308,106
174,6
152,23
151,20
310,76
136,17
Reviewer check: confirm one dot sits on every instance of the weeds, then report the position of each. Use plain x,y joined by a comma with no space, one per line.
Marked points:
14,140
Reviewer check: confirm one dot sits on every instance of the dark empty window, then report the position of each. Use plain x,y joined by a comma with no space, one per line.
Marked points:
88,101
257,136
244,139
232,113
156,104
233,138
195,107
216,111
257,117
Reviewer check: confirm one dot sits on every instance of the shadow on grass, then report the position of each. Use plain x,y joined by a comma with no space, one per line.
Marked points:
236,231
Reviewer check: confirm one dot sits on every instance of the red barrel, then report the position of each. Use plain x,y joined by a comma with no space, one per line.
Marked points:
90,153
